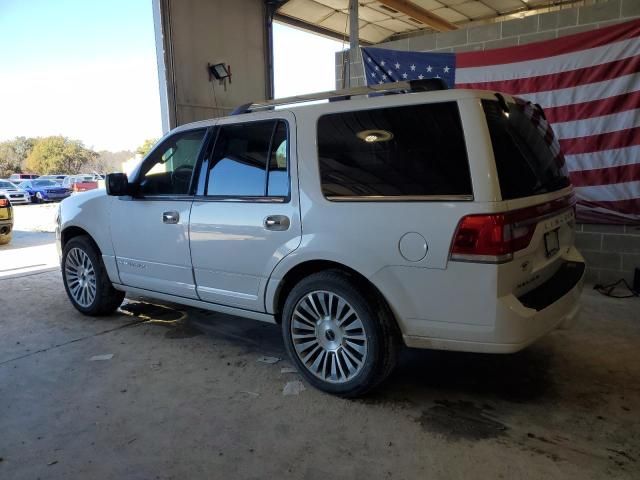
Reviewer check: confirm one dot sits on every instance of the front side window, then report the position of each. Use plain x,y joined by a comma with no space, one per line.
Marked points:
415,150
250,160
169,169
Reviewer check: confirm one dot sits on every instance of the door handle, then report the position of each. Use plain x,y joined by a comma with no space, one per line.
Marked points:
170,217
278,223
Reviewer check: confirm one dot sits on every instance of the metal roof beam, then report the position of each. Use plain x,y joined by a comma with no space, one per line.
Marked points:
317,29
425,16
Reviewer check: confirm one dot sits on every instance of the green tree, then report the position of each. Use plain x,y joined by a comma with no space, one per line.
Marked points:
13,154
146,146
59,155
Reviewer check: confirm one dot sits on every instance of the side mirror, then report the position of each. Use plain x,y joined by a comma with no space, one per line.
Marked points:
117,184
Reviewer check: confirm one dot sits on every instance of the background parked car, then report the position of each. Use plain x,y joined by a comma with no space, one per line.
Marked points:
56,178
19,177
13,193
81,183
45,190
6,220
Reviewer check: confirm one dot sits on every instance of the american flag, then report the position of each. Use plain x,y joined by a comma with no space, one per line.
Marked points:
589,87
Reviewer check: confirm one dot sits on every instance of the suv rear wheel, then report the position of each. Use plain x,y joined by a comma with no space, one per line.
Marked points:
85,279
341,340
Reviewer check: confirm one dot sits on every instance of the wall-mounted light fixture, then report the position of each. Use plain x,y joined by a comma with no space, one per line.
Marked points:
219,71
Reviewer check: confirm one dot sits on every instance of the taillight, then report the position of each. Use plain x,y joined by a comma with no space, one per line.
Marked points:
4,202
489,238
495,237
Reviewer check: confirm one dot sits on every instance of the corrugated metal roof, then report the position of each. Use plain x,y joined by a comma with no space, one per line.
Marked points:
379,21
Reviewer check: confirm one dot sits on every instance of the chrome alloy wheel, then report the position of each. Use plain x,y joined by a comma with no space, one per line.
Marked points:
328,336
81,277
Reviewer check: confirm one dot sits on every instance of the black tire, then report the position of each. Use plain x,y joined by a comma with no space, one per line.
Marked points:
5,239
379,325
107,299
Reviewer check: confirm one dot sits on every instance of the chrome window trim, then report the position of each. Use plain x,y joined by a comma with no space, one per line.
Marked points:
399,198
237,199
156,198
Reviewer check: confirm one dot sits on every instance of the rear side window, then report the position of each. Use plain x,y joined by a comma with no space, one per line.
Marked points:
250,160
528,157
416,150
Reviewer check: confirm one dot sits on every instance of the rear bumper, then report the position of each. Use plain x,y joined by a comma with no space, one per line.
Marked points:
519,322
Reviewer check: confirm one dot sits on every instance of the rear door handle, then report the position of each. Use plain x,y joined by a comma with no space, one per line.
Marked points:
277,222
170,217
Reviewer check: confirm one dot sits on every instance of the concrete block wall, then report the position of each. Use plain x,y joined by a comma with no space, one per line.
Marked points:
612,252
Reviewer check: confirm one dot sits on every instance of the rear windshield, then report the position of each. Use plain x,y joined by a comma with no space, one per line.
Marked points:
528,157
416,150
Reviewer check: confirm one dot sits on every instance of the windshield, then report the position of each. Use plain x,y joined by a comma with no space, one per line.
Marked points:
528,157
4,184
44,183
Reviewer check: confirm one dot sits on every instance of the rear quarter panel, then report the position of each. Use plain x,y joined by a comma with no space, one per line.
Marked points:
365,236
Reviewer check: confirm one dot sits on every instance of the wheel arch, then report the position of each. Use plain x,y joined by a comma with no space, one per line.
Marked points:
73,231
309,267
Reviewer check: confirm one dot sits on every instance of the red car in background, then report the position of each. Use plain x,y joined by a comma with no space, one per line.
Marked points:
81,183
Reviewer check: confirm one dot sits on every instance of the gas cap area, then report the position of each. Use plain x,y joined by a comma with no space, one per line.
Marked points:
413,247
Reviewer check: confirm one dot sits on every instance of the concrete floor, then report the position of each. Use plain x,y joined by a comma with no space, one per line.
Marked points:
190,399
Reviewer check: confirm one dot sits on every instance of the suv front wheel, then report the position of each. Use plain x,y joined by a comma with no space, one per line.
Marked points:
85,278
341,339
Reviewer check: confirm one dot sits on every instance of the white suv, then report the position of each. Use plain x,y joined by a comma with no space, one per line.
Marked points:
438,219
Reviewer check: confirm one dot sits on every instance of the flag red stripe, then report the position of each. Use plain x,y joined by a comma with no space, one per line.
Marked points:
556,81
586,215
594,108
604,141
605,176
629,206
549,48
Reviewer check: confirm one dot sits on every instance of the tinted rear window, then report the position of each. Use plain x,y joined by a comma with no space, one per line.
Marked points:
528,157
416,150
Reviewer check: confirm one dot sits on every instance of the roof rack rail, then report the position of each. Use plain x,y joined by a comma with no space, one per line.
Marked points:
410,86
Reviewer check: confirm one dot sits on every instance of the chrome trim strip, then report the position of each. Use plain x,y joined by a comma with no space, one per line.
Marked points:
462,257
545,216
226,293
209,198
156,198
400,198
263,317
